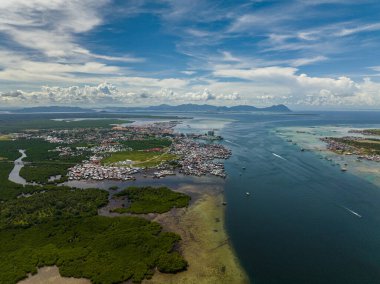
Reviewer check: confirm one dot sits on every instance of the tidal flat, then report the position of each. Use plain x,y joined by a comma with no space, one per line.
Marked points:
309,139
205,243
50,275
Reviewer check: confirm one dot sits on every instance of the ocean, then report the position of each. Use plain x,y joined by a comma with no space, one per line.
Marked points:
304,221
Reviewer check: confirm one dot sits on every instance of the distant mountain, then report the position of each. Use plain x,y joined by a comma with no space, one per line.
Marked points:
159,108
184,107
53,109
202,108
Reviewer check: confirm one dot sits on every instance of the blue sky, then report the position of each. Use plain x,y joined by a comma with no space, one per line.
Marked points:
304,53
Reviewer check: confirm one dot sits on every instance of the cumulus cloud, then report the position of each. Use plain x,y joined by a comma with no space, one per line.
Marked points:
207,95
106,94
260,86
302,88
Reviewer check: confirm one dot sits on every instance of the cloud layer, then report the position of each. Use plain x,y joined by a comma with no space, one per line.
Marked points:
302,53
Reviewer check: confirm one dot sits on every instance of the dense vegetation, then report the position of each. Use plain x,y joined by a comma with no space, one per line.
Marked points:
42,162
42,172
38,123
151,200
104,250
60,227
371,131
9,152
17,122
8,189
147,143
368,146
56,203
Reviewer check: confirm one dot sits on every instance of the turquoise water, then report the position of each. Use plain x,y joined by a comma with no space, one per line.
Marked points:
304,221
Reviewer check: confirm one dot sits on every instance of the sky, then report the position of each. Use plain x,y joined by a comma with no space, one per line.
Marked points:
307,54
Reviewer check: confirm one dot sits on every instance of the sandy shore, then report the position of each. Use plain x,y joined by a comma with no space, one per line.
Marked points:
50,275
205,244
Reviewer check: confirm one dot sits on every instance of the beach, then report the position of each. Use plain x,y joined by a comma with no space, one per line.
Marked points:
50,275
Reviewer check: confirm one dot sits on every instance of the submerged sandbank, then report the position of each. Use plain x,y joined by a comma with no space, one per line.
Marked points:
308,138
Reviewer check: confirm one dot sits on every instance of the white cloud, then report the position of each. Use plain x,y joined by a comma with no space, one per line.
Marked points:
257,73
306,61
264,86
106,94
42,41
375,68
359,29
49,26
285,85
227,56
188,72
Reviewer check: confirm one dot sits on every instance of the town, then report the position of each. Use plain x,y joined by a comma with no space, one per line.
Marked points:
363,148
129,151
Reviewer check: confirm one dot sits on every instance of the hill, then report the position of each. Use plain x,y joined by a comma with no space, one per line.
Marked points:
53,109
202,108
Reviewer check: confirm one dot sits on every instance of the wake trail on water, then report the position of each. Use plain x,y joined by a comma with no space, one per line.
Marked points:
278,156
233,143
351,211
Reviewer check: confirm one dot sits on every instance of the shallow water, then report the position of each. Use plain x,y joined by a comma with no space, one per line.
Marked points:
309,139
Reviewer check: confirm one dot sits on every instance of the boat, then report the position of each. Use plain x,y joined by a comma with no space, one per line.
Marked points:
224,203
247,193
243,168
343,169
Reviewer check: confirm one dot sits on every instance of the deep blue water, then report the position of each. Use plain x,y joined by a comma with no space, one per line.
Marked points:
294,227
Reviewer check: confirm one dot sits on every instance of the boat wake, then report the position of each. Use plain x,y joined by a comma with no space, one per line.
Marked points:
352,212
278,156
233,143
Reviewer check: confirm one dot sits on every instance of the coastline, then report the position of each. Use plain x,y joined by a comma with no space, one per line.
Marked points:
205,244
308,138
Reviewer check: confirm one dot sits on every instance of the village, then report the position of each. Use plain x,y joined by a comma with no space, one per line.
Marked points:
162,151
349,145
194,158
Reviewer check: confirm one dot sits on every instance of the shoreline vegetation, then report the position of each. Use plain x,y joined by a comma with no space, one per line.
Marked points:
58,232
204,243
144,200
62,227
